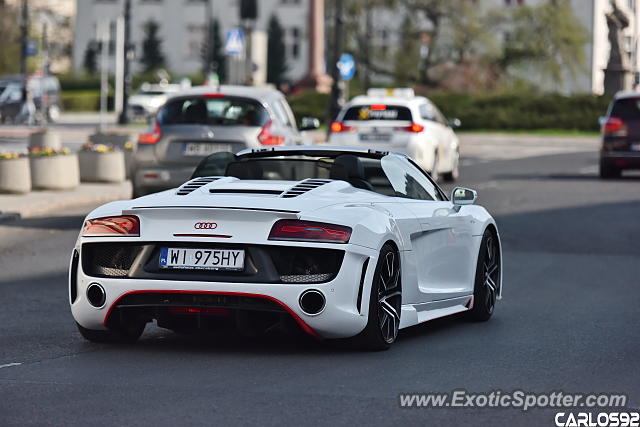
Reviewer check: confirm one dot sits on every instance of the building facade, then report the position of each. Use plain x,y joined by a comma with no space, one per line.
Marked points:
183,28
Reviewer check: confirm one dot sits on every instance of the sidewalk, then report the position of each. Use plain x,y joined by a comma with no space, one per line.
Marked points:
38,203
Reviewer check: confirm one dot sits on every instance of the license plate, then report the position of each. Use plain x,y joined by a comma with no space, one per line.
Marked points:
202,259
375,137
635,147
204,149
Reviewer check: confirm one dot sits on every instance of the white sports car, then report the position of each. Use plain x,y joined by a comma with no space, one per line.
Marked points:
343,242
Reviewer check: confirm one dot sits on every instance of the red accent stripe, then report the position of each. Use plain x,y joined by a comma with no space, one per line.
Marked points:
306,328
222,236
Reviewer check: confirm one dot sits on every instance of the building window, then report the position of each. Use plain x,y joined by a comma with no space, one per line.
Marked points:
295,42
290,1
195,38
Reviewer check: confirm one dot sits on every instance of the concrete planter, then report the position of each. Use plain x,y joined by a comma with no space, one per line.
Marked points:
59,172
45,139
15,175
102,167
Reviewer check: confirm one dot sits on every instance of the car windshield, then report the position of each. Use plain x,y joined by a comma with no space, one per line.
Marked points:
219,111
390,175
377,112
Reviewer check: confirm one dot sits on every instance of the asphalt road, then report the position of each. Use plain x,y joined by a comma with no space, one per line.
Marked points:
568,321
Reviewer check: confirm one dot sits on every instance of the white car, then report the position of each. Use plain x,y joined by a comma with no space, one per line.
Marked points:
150,98
396,119
343,242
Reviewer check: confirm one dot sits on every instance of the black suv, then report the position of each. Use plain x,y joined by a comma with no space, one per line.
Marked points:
621,135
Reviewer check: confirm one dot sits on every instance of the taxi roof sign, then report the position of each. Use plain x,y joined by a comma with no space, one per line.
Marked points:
401,92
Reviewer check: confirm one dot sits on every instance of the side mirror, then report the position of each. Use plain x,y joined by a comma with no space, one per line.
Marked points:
309,123
461,196
454,123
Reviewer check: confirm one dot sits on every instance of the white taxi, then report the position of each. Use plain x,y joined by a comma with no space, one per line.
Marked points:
397,119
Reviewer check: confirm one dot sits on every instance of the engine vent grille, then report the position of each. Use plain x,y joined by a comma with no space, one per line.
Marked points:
304,186
193,185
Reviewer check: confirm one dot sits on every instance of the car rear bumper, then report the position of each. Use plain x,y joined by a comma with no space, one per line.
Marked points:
621,159
344,313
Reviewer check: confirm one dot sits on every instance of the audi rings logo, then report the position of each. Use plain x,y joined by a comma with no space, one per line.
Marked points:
205,225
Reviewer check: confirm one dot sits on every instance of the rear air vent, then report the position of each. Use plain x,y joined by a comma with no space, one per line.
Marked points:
194,184
242,191
304,186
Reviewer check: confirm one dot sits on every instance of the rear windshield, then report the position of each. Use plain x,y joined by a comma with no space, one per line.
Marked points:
378,112
225,111
628,108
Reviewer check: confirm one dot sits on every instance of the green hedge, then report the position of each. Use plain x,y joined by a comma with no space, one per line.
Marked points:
523,111
508,111
83,100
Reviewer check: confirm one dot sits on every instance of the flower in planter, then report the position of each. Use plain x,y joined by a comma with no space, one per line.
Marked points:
128,146
10,156
47,152
98,148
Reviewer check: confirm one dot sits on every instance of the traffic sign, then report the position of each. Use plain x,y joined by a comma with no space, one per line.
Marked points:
31,48
346,66
234,44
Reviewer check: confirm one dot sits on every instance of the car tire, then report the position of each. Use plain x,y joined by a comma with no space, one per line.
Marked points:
454,174
384,303
127,334
487,280
607,171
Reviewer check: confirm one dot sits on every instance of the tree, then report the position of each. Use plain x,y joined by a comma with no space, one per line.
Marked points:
407,54
213,50
152,56
547,38
276,53
9,35
89,62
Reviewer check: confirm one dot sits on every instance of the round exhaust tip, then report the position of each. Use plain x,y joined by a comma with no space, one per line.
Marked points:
312,302
96,295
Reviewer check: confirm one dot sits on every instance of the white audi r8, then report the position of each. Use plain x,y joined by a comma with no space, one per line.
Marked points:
343,242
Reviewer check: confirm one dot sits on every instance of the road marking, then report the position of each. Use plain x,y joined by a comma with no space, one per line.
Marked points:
8,365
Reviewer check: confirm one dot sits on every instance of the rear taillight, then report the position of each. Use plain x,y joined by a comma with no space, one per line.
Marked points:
337,127
413,127
309,231
265,137
124,226
614,126
151,137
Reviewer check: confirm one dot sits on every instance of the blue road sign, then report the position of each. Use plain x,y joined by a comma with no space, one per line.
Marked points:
346,66
234,43
31,48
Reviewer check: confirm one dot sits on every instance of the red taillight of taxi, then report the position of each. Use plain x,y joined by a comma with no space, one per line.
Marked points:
614,126
265,137
112,226
309,231
151,137
413,127
337,127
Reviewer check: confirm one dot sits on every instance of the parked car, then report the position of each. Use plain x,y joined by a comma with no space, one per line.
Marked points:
149,98
204,120
397,119
621,135
45,91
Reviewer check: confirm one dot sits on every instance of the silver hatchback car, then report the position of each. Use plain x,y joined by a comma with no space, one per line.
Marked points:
200,121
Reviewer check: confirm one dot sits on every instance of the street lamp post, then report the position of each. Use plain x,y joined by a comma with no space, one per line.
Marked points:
24,34
337,92
126,87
